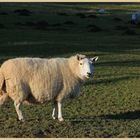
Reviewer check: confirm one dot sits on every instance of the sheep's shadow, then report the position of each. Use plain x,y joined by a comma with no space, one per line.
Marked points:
129,115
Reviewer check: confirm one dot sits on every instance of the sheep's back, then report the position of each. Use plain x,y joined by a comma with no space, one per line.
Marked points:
42,76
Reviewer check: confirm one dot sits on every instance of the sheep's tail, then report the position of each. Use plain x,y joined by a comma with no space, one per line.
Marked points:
3,94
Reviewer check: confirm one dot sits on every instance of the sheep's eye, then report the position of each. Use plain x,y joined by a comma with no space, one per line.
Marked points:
80,63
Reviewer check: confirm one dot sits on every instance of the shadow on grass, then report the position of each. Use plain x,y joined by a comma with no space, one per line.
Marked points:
130,115
111,80
134,63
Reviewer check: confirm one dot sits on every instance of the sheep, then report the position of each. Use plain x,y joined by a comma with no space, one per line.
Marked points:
40,80
133,18
101,11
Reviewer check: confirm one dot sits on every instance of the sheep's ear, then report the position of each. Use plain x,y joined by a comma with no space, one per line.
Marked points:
94,59
80,57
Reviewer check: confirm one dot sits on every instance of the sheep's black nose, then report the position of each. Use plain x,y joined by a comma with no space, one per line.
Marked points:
89,74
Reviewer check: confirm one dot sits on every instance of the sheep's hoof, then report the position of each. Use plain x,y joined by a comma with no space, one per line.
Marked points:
60,119
21,120
53,117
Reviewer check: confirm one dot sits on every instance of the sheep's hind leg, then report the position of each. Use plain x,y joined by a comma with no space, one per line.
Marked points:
18,110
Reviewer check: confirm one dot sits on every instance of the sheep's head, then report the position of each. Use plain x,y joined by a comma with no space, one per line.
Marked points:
86,65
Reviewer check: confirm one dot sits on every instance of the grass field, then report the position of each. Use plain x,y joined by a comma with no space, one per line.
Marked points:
109,103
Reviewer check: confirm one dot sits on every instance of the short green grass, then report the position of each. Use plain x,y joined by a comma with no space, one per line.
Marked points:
109,103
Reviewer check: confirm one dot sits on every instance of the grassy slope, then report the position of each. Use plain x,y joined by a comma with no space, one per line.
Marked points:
109,102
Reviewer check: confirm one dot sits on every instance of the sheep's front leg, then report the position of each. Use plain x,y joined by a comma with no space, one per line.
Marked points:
60,118
18,110
54,110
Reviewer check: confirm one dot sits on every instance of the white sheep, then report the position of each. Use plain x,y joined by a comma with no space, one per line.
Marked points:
134,18
37,80
101,11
